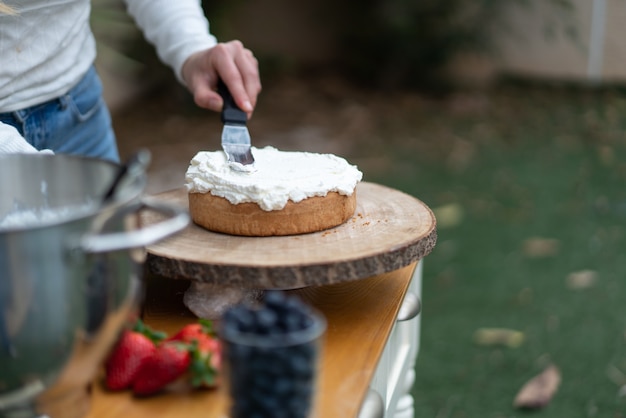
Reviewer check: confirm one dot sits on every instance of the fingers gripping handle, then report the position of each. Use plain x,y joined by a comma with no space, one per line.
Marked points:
231,113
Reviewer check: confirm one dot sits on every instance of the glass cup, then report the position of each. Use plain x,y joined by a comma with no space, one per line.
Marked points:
273,375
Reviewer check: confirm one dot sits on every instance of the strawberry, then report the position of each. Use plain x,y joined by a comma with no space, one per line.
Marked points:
205,352
193,331
206,361
170,361
210,346
127,357
133,348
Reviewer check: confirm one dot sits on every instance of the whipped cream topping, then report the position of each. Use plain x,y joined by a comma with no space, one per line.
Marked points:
279,176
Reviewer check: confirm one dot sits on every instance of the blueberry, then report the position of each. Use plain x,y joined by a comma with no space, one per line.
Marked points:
306,321
239,351
274,298
295,304
281,413
283,386
303,388
239,319
273,380
301,366
261,381
269,403
266,322
298,407
291,322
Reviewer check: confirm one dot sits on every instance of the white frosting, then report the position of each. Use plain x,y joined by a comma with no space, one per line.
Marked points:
279,176
44,216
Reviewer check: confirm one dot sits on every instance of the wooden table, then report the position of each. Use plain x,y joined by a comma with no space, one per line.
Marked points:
356,274
360,315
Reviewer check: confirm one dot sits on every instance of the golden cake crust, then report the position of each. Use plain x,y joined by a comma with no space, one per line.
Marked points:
313,214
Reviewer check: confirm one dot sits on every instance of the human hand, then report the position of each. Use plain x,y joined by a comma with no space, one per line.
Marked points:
231,62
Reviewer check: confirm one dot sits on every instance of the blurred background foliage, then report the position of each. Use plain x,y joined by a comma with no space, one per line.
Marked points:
413,42
389,44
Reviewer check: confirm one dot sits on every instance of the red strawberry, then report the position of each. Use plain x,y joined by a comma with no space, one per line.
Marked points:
169,362
126,359
188,333
196,330
205,352
216,363
206,361
211,346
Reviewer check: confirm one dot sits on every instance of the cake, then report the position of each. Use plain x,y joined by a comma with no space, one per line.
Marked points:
284,193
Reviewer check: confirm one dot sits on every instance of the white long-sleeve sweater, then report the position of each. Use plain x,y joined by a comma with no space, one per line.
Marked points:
48,45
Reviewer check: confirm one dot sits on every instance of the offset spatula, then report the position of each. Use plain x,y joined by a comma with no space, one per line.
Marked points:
235,136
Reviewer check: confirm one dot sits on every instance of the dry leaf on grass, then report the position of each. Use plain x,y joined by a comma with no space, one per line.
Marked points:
616,375
581,279
498,336
449,215
537,247
539,390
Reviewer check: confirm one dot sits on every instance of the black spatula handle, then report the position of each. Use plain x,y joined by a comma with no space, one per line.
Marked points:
231,113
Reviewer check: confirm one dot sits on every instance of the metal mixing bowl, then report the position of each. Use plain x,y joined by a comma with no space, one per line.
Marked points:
69,276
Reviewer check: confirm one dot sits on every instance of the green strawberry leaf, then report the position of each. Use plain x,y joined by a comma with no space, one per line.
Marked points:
202,372
207,326
154,335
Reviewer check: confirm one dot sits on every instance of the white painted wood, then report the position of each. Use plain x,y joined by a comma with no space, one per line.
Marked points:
395,373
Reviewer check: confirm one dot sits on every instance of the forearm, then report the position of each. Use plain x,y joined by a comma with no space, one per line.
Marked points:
176,28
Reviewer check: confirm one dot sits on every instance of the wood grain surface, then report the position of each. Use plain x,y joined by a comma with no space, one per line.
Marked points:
389,230
360,316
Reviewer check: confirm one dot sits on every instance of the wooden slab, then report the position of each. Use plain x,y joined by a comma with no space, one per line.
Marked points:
390,230
360,317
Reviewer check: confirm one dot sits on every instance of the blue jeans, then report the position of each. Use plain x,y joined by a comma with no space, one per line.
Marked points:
76,123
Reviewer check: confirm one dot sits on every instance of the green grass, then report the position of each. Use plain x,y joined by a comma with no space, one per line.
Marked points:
520,162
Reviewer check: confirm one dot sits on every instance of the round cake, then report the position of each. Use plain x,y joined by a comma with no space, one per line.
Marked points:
283,193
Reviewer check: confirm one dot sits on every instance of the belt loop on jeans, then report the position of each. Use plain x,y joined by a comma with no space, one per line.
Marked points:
64,101
20,115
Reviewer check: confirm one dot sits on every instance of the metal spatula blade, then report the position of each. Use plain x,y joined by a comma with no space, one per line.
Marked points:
235,135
